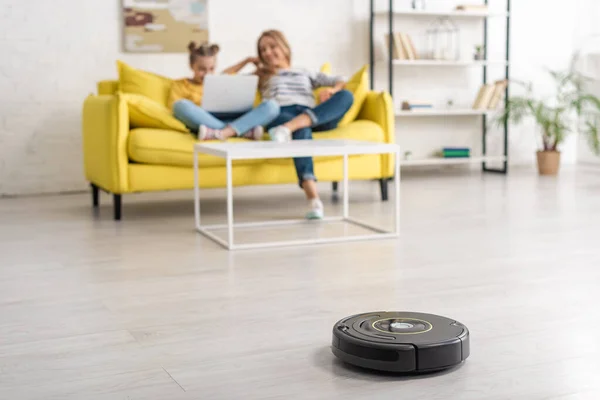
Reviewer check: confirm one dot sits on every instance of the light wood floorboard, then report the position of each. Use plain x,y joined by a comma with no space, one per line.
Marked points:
148,309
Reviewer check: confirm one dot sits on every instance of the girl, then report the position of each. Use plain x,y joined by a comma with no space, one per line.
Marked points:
186,96
298,117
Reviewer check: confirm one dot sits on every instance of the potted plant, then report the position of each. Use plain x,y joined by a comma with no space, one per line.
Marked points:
478,55
569,109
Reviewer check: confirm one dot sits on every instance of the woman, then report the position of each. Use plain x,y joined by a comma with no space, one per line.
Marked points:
186,96
293,90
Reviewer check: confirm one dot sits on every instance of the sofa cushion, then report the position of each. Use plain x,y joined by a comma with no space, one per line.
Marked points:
357,130
358,85
153,86
147,113
167,147
107,87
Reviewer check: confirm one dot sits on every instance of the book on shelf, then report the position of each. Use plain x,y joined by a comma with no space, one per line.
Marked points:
472,7
486,91
456,152
499,90
403,47
408,46
395,48
414,105
490,95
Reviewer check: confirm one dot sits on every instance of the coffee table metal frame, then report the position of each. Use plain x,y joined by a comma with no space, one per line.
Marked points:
300,148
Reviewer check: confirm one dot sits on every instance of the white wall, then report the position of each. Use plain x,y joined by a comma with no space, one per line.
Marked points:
53,52
49,64
587,41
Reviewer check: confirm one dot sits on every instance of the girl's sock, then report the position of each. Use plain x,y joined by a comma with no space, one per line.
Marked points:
206,133
255,133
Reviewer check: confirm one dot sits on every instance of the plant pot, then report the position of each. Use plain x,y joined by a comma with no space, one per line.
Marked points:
548,162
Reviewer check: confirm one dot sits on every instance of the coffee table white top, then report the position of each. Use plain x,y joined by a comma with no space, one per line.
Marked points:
295,148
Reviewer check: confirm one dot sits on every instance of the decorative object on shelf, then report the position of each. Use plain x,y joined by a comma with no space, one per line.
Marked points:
557,116
443,40
163,27
418,4
450,103
490,95
407,155
479,53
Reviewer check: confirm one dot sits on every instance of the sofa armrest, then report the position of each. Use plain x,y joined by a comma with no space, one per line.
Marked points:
105,132
379,108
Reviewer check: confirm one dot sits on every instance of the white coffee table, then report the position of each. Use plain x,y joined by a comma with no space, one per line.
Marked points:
296,148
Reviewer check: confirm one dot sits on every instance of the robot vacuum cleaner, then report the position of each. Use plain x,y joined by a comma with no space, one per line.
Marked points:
403,342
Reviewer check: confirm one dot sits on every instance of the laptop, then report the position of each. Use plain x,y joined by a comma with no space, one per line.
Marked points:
229,93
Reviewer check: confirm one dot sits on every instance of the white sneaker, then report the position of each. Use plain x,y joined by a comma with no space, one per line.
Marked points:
280,134
316,210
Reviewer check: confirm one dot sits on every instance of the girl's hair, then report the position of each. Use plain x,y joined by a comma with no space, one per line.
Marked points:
280,39
204,50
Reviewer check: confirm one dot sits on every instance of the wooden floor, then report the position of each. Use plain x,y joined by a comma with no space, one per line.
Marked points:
147,309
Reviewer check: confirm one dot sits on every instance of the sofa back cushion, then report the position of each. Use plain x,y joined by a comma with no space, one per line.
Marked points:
147,113
134,81
358,85
107,87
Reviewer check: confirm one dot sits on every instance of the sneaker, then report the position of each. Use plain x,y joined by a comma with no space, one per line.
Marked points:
280,134
255,133
316,210
206,133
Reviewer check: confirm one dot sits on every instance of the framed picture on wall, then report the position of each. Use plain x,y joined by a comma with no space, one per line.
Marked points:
163,26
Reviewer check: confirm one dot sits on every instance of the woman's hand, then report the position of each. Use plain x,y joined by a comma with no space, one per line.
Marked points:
234,69
325,94
253,60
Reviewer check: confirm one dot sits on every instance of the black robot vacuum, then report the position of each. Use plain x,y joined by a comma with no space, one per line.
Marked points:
403,342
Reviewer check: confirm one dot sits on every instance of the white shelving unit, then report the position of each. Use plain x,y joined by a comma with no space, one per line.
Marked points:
453,14
442,63
452,161
434,112
419,16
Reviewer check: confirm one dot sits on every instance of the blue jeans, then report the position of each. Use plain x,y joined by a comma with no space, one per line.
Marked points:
193,116
325,117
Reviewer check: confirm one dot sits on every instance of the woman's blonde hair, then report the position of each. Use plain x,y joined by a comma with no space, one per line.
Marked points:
264,71
280,39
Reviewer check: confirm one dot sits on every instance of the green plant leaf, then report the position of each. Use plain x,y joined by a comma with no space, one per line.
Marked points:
554,115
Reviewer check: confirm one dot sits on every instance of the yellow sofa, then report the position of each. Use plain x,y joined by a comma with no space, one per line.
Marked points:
119,159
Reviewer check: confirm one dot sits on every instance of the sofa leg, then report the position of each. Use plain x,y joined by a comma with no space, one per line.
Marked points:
95,195
383,183
117,206
334,187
